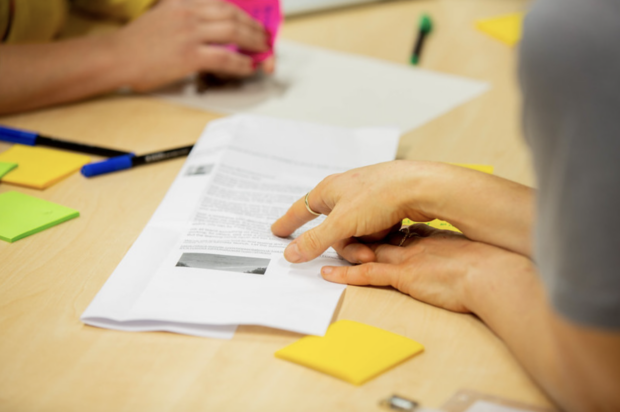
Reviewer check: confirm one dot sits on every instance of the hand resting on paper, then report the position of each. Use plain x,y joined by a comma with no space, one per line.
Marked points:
364,204
170,41
365,207
487,270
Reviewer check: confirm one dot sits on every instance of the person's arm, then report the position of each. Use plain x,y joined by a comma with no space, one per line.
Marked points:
578,367
364,202
170,41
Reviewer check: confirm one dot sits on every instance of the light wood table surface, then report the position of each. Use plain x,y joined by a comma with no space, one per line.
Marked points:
50,361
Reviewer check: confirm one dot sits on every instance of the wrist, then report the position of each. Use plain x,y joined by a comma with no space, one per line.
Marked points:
493,278
120,50
426,189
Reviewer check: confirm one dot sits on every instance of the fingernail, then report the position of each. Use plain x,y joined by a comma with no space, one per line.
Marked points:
327,270
292,253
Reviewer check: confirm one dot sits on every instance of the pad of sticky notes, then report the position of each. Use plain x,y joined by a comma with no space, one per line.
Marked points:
351,351
6,167
40,167
441,224
23,215
506,28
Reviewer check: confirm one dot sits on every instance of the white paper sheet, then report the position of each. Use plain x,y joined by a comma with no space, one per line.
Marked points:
185,272
319,85
486,406
165,228
287,296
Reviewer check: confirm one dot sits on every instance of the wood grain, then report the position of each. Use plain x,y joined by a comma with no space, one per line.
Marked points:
50,361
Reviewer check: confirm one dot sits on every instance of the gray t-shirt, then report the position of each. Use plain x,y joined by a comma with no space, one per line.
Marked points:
570,77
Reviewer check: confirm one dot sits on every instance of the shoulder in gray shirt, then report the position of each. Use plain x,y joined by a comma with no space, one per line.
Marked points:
570,77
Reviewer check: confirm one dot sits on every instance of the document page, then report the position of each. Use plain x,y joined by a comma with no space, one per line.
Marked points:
226,268
319,85
109,309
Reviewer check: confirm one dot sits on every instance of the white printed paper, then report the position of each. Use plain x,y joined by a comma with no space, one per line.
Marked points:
486,406
205,262
329,87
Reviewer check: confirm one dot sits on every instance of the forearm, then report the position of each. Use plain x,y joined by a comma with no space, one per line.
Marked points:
578,367
485,208
38,75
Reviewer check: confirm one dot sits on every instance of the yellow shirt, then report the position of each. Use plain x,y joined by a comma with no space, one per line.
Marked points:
34,21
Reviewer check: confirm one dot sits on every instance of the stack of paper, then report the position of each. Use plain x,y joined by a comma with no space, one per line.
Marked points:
207,260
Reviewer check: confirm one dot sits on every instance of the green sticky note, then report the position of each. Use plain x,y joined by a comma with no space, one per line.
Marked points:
23,215
6,167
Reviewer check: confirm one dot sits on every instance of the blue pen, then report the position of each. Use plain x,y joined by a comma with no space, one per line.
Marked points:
25,137
128,161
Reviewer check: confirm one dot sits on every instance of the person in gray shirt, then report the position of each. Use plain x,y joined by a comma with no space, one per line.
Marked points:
540,267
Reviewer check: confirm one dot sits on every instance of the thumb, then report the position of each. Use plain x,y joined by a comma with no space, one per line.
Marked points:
314,242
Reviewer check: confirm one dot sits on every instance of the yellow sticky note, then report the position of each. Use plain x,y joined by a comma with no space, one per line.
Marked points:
441,224
506,28
351,351
481,168
40,167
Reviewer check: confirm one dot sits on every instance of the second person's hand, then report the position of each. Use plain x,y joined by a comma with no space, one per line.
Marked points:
180,37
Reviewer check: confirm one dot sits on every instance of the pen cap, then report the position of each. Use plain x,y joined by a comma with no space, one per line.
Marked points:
113,164
11,135
426,24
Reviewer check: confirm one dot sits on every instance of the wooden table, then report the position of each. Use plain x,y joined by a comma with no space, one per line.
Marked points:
50,361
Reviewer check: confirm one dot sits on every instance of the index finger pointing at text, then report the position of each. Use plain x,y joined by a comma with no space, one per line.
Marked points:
296,216
313,242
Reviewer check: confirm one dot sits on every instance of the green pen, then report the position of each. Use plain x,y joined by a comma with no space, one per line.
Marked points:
426,26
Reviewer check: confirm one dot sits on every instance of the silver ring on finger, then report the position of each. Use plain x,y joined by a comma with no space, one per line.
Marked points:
309,208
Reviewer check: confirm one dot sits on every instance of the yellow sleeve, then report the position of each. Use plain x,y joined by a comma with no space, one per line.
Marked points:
31,21
114,9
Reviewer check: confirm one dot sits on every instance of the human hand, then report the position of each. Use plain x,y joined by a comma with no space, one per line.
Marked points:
364,204
439,267
361,205
180,37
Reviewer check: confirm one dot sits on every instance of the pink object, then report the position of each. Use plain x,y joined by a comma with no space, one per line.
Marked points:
268,13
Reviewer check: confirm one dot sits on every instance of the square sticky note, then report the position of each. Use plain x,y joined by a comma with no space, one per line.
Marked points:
506,29
6,167
40,167
23,215
351,351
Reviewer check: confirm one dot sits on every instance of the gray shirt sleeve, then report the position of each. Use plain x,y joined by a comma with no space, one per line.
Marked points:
570,78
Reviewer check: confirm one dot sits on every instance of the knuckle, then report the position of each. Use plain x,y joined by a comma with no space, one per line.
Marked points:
331,178
344,273
229,13
218,58
400,283
231,31
339,224
365,272
311,240
185,12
